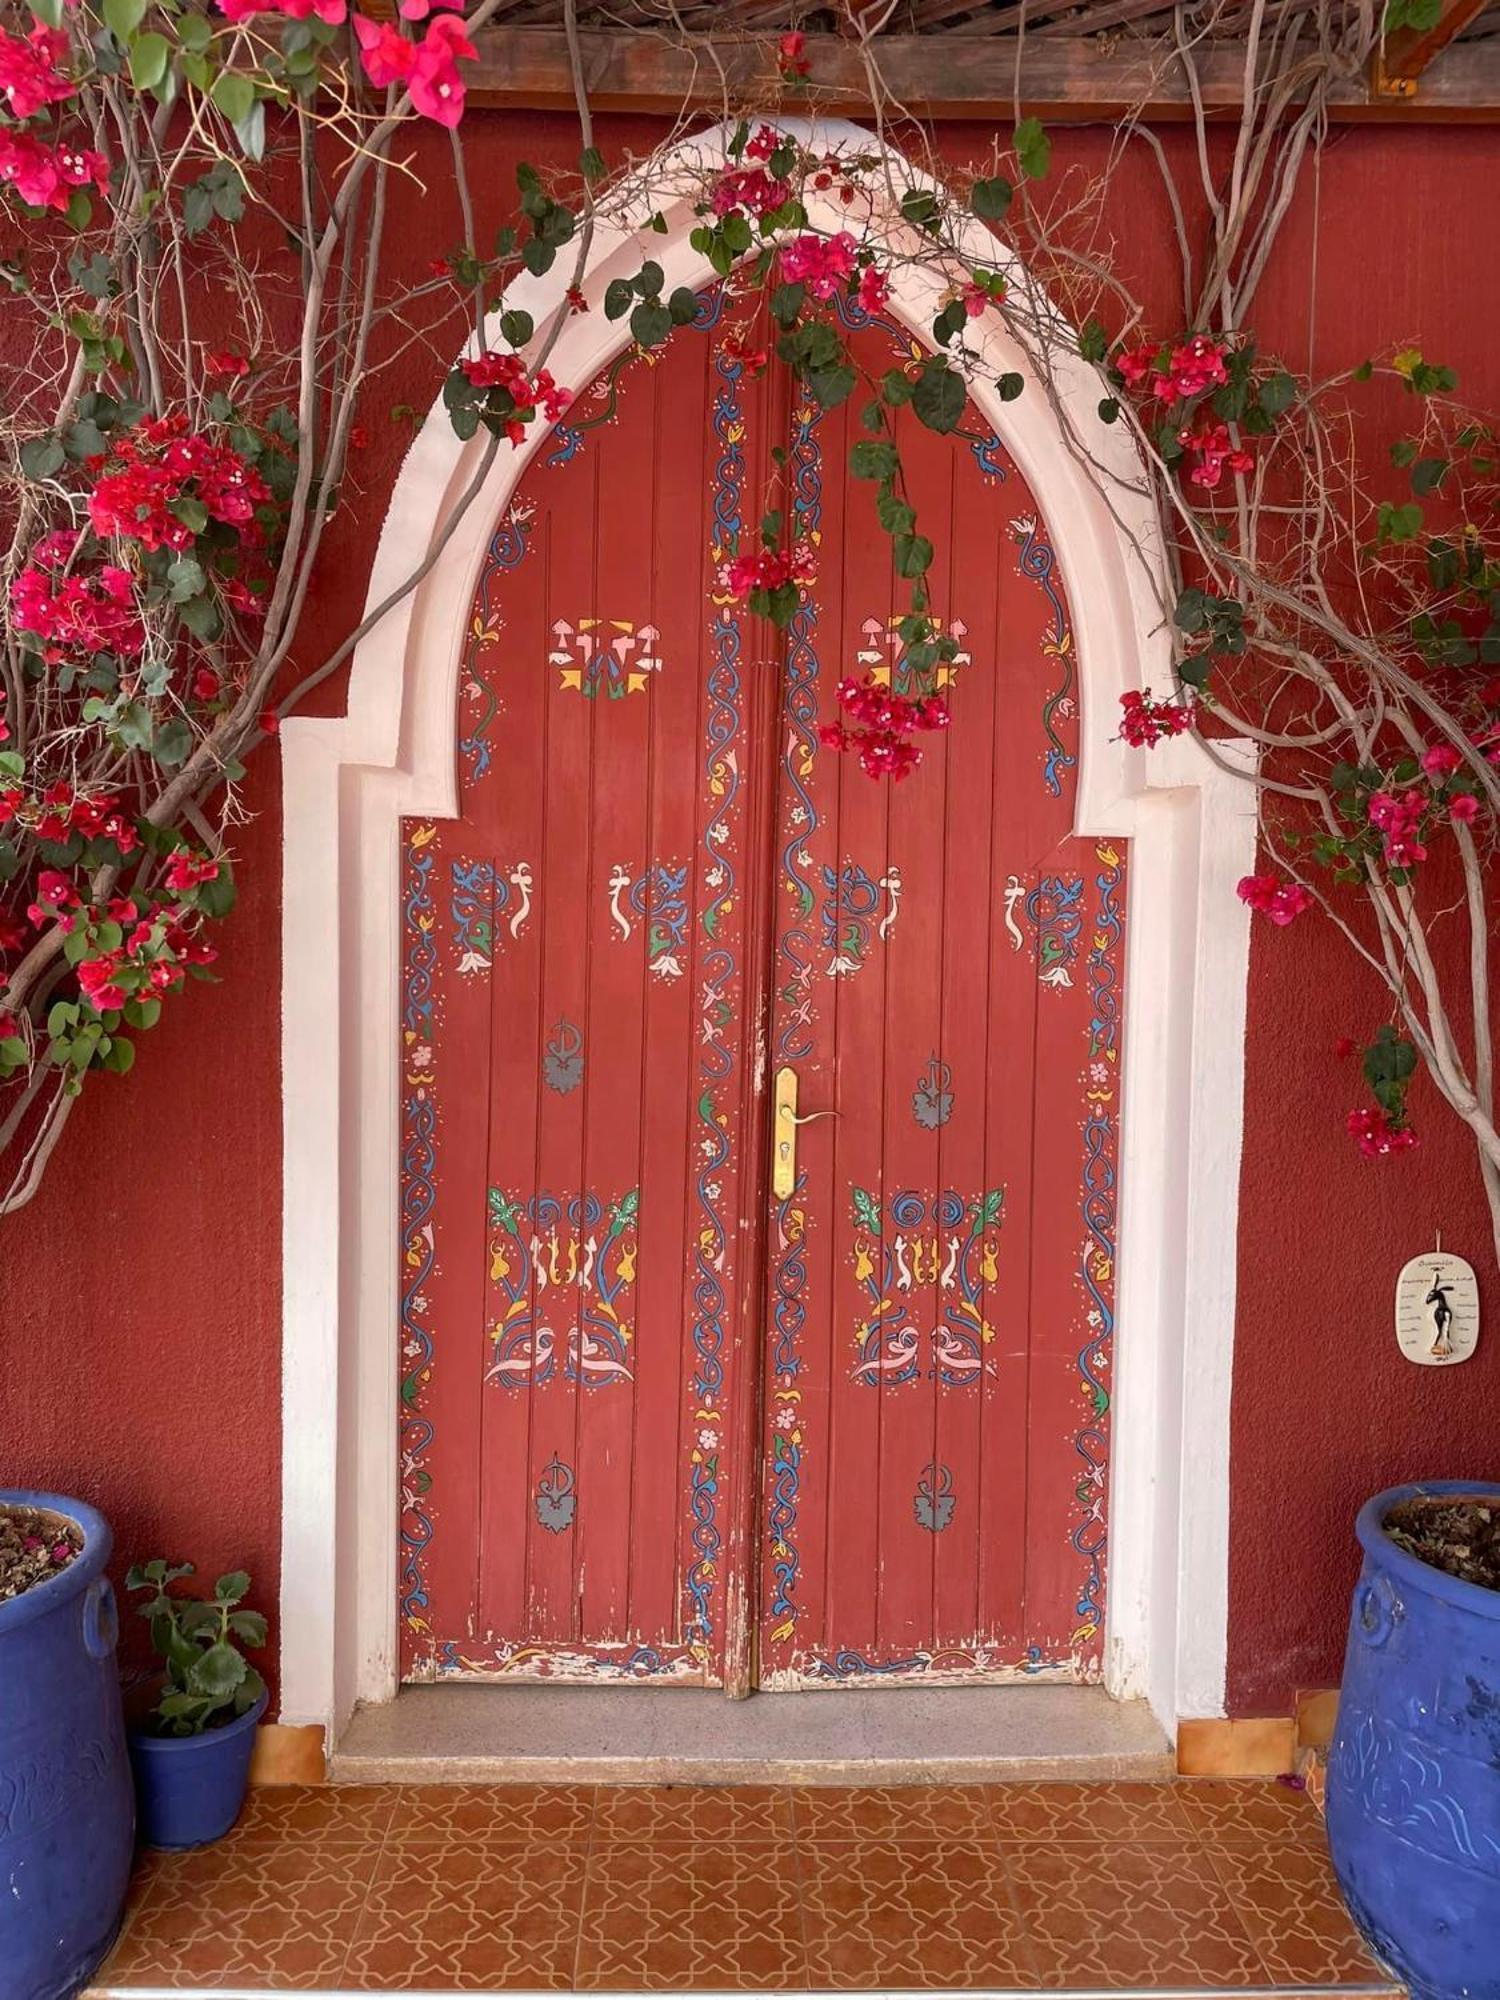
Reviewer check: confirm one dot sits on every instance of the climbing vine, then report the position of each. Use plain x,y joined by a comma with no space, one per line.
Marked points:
1335,626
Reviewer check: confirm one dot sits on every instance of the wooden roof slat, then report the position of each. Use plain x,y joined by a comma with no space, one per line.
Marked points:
1064,78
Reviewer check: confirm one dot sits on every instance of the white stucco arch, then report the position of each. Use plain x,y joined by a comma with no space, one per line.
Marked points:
348,781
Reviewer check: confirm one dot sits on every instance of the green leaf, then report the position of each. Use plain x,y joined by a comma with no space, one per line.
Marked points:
832,385
1427,475
217,1672
232,1586
939,396
683,306
873,458
249,1626
1277,393
896,516
1033,149
233,95
991,198
920,207
123,17
173,740
1109,410
185,578
1093,343
42,457
517,327
591,164
149,56
913,555
1010,386
651,323
618,294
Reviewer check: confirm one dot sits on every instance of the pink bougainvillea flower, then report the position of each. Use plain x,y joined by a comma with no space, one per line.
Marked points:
386,53
1136,364
418,10
80,615
791,55
185,870
767,569
1211,453
1464,807
55,897
1192,369
43,176
1282,902
33,72
884,723
333,12
874,293
747,190
1398,819
1144,722
437,89
820,263
224,363
1377,1135
1440,761
1345,1046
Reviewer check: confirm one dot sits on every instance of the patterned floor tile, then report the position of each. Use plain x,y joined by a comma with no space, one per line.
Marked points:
470,1914
892,1812
1249,1809
253,1914
1108,1914
707,1813
314,1812
500,1814
1088,1812
664,1914
911,1913
1290,1902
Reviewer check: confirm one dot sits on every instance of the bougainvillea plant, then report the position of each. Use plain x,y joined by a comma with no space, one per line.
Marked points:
173,461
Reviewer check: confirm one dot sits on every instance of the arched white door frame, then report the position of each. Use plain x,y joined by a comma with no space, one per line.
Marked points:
350,779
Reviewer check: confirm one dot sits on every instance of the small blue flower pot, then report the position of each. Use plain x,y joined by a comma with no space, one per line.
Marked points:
189,1789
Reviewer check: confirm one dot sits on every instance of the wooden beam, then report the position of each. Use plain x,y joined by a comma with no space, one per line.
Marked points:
1405,56
1064,80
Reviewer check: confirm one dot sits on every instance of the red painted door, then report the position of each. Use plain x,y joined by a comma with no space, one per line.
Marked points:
947,984
655,873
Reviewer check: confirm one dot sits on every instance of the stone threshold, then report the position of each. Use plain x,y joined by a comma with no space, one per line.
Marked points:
1300,1992
468,1734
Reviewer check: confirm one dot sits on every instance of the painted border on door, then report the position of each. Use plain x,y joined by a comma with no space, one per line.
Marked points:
349,780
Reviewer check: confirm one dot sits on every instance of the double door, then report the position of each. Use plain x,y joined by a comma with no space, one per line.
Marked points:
668,1414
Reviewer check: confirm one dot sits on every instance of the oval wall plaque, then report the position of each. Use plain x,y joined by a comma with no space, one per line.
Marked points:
1437,1309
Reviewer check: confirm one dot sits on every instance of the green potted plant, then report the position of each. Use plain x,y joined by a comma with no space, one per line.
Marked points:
191,1754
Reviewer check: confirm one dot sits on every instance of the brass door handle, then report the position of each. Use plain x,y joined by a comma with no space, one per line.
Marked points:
784,1133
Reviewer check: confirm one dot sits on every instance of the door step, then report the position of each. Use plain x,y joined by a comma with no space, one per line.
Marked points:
1302,1992
468,1734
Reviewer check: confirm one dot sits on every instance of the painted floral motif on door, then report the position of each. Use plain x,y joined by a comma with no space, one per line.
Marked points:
653,864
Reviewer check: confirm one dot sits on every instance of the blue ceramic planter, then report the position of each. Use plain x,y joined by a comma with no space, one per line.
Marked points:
65,1797
189,1789
1414,1772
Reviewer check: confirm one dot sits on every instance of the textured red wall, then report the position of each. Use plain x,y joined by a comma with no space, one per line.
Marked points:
140,1293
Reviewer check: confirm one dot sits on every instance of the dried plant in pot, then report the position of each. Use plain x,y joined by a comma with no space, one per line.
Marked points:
1414,1772
192,1752
65,1804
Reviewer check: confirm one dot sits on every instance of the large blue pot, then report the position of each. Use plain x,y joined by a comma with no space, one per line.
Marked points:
66,1808
1414,1772
190,1788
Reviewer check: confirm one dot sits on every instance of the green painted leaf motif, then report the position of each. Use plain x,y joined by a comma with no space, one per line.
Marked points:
986,1209
504,1213
866,1210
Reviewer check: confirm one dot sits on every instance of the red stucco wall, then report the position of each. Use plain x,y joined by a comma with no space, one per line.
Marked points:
140,1293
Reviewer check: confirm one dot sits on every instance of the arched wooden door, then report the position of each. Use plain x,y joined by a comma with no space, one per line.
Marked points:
657,1420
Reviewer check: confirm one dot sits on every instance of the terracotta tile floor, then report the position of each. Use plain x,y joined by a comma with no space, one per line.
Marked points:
1211,1887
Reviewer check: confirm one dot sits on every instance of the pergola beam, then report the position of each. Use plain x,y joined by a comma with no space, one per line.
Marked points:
1064,80
1404,57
